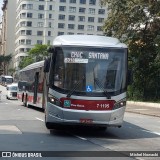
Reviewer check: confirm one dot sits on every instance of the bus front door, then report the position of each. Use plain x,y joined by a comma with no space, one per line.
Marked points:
36,87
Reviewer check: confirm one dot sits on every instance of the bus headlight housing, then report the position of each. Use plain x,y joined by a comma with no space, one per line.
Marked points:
119,104
54,100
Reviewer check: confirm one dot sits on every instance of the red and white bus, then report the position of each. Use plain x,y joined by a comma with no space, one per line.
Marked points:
30,84
84,82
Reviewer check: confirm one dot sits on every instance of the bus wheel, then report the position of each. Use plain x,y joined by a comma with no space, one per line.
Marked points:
23,98
26,101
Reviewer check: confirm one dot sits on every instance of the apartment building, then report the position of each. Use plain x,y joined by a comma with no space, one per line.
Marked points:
0,38
8,29
40,21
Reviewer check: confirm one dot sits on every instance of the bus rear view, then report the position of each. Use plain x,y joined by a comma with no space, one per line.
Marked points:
5,80
87,82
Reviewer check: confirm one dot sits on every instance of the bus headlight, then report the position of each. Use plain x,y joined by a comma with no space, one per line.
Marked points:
119,104
54,100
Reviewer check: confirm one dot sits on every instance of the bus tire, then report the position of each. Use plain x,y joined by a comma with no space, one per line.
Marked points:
26,101
23,100
22,97
27,105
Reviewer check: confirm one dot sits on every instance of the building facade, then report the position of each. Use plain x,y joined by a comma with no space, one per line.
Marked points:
40,21
1,68
0,38
8,30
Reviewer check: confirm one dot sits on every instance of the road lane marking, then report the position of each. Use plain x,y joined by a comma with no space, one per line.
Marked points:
152,132
156,133
39,119
84,139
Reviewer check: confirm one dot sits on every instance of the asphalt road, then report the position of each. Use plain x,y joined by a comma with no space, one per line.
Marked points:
23,129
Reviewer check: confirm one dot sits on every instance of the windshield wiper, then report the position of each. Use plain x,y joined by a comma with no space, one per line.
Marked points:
75,87
98,82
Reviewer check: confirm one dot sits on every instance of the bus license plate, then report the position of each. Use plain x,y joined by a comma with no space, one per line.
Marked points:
83,120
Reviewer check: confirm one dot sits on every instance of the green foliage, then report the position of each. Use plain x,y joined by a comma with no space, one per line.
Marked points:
5,59
36,54
137,23
39,50
4,62
25,62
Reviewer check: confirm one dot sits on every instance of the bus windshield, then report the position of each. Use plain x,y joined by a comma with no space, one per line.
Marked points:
91,71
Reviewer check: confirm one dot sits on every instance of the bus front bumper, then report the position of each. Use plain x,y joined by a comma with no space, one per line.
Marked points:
57,115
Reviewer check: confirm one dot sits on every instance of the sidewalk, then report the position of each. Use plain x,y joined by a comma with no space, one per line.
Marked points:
152,109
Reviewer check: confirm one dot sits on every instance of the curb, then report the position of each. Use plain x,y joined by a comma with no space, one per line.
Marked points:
146,114
155,105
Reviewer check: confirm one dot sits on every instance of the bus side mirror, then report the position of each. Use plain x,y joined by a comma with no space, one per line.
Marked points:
130,77
46,65
50,49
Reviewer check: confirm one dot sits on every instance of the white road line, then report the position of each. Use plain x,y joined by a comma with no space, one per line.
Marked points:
152,132
84,139
80,137
157,133
39,119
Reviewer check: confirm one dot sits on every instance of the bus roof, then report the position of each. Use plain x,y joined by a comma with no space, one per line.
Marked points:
13,84
88,40
6,76
33,65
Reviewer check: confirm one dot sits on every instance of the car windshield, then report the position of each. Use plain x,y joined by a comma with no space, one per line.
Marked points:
93,69
9,80
12,88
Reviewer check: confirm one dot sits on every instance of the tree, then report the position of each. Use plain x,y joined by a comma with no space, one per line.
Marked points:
136,22
12,71
25,62
38,53
4,62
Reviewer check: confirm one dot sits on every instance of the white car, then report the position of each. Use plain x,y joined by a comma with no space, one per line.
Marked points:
12,91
